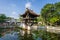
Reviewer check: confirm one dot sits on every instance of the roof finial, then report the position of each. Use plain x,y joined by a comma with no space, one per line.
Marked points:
27,9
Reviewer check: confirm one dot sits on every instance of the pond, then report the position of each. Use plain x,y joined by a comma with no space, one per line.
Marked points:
21,34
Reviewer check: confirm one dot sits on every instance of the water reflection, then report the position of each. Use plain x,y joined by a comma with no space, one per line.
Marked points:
24,32
9,34
27,35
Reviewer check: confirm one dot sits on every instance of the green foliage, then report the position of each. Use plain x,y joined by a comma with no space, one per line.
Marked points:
46,35
51,13
20,18
52,20
2,18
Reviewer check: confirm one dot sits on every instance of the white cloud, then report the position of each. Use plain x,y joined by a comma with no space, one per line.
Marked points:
28,5
13,12
14,15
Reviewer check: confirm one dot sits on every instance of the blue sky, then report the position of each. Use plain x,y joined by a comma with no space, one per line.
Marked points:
13,8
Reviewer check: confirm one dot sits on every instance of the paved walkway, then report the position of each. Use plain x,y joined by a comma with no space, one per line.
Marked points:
53,29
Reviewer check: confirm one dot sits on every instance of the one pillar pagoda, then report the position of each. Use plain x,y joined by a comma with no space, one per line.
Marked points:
29,18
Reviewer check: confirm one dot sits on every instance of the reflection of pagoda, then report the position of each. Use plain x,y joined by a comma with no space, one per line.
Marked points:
29,18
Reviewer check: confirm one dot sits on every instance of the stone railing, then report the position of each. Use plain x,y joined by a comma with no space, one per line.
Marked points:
53,29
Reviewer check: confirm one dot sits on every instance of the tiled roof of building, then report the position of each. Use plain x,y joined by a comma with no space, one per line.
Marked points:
30,12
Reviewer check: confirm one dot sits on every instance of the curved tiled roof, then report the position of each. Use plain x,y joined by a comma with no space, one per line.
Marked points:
30,12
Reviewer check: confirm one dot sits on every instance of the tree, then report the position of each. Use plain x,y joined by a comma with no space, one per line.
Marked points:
2,17
51,13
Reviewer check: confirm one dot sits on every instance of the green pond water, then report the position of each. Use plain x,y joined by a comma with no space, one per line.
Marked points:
21,34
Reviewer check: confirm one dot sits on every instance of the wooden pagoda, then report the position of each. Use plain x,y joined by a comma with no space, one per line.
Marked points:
29,17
